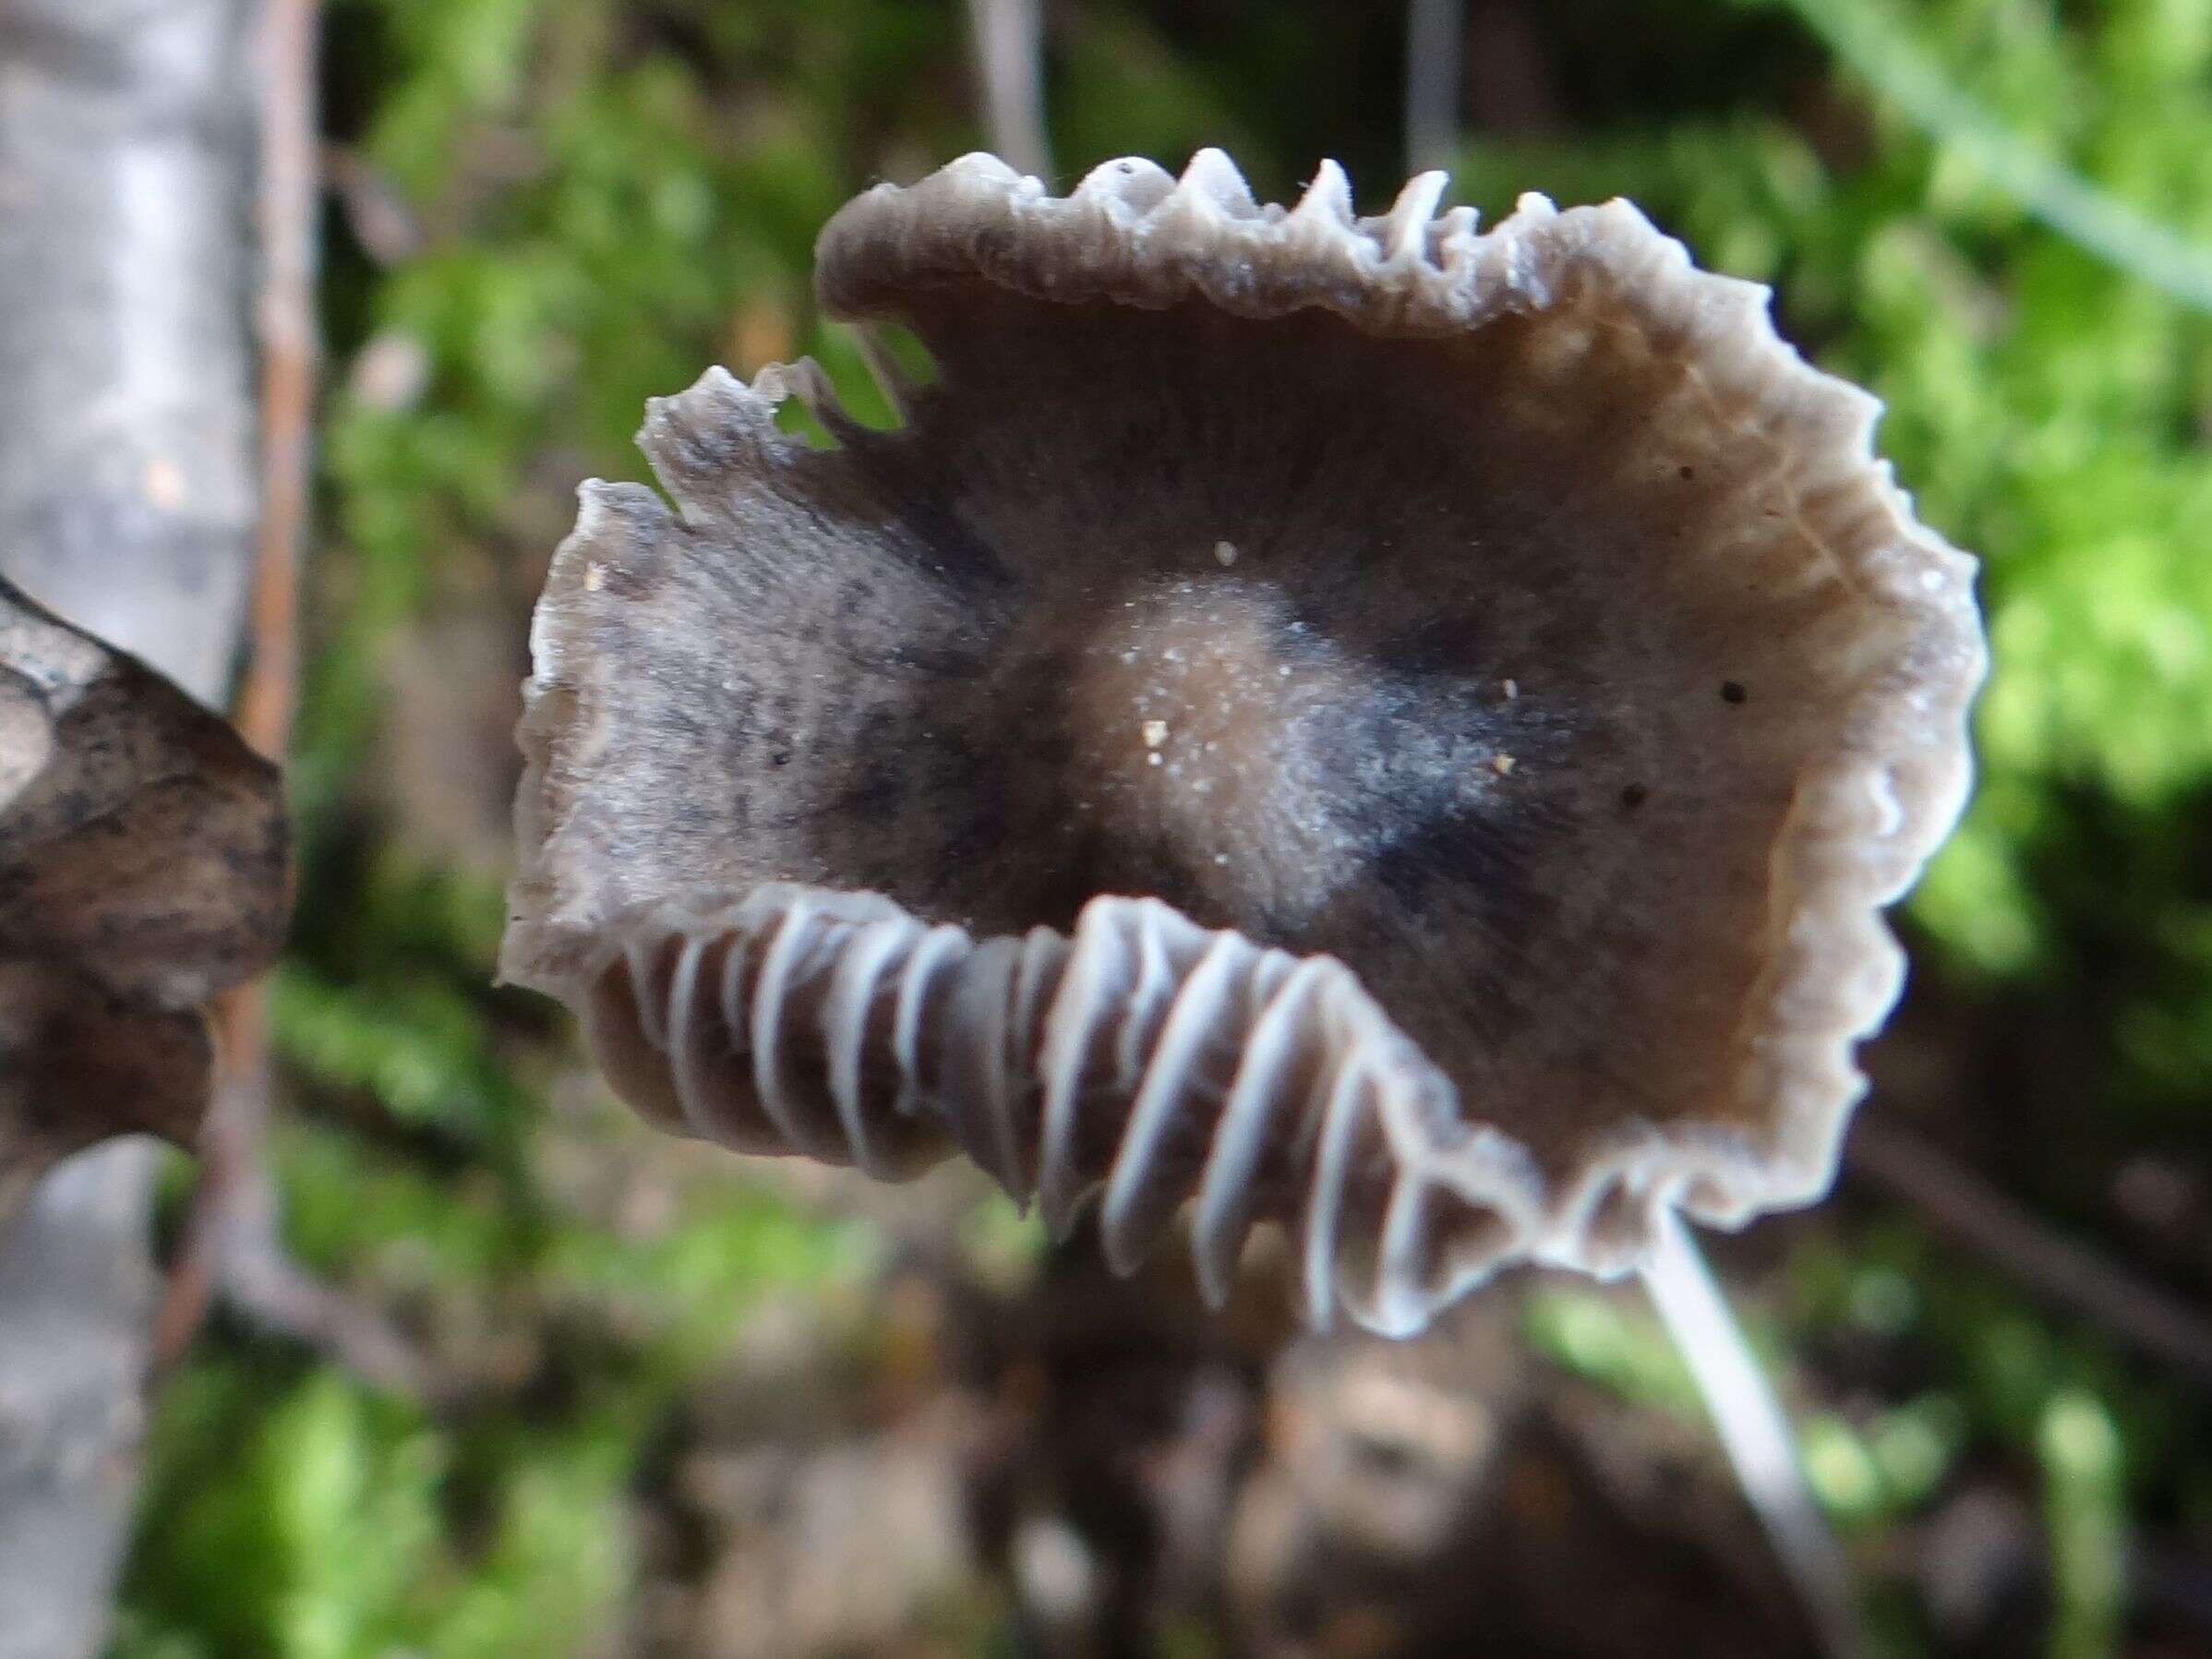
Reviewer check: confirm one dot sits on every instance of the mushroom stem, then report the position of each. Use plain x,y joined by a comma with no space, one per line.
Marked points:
1753,1430
1435,31
1009,46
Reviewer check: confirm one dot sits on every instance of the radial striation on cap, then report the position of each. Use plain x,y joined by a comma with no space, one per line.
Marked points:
1486,853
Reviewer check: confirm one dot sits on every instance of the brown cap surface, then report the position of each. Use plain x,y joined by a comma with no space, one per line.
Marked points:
143,867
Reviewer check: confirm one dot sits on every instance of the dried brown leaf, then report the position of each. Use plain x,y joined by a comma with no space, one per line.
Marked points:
144,856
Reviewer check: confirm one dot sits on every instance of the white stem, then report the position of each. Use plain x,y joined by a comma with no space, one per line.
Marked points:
1434,31
1009,41
1752,1429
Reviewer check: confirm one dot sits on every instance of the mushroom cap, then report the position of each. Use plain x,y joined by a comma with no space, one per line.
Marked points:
144,865
1358,721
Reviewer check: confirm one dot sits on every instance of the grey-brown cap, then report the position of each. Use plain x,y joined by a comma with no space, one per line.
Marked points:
143,867
1395,730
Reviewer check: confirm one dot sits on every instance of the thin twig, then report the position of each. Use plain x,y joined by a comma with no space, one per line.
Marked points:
1435,40
2091,218
1753,1430
1009,43
232,1176
263,1285
2070,1276
232,1246
284,320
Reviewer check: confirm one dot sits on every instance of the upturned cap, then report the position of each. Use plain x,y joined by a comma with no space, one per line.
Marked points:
1397,729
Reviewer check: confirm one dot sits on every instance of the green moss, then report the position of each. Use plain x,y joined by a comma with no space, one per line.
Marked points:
301,1519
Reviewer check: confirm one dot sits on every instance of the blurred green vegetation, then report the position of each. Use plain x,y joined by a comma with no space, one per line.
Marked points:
599,199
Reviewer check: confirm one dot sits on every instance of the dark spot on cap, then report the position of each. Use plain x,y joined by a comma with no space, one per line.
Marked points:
1688,471
1442,645
1634,796
1732,691
781,757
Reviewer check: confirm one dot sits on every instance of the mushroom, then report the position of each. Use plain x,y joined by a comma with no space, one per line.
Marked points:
143,867
1357,723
